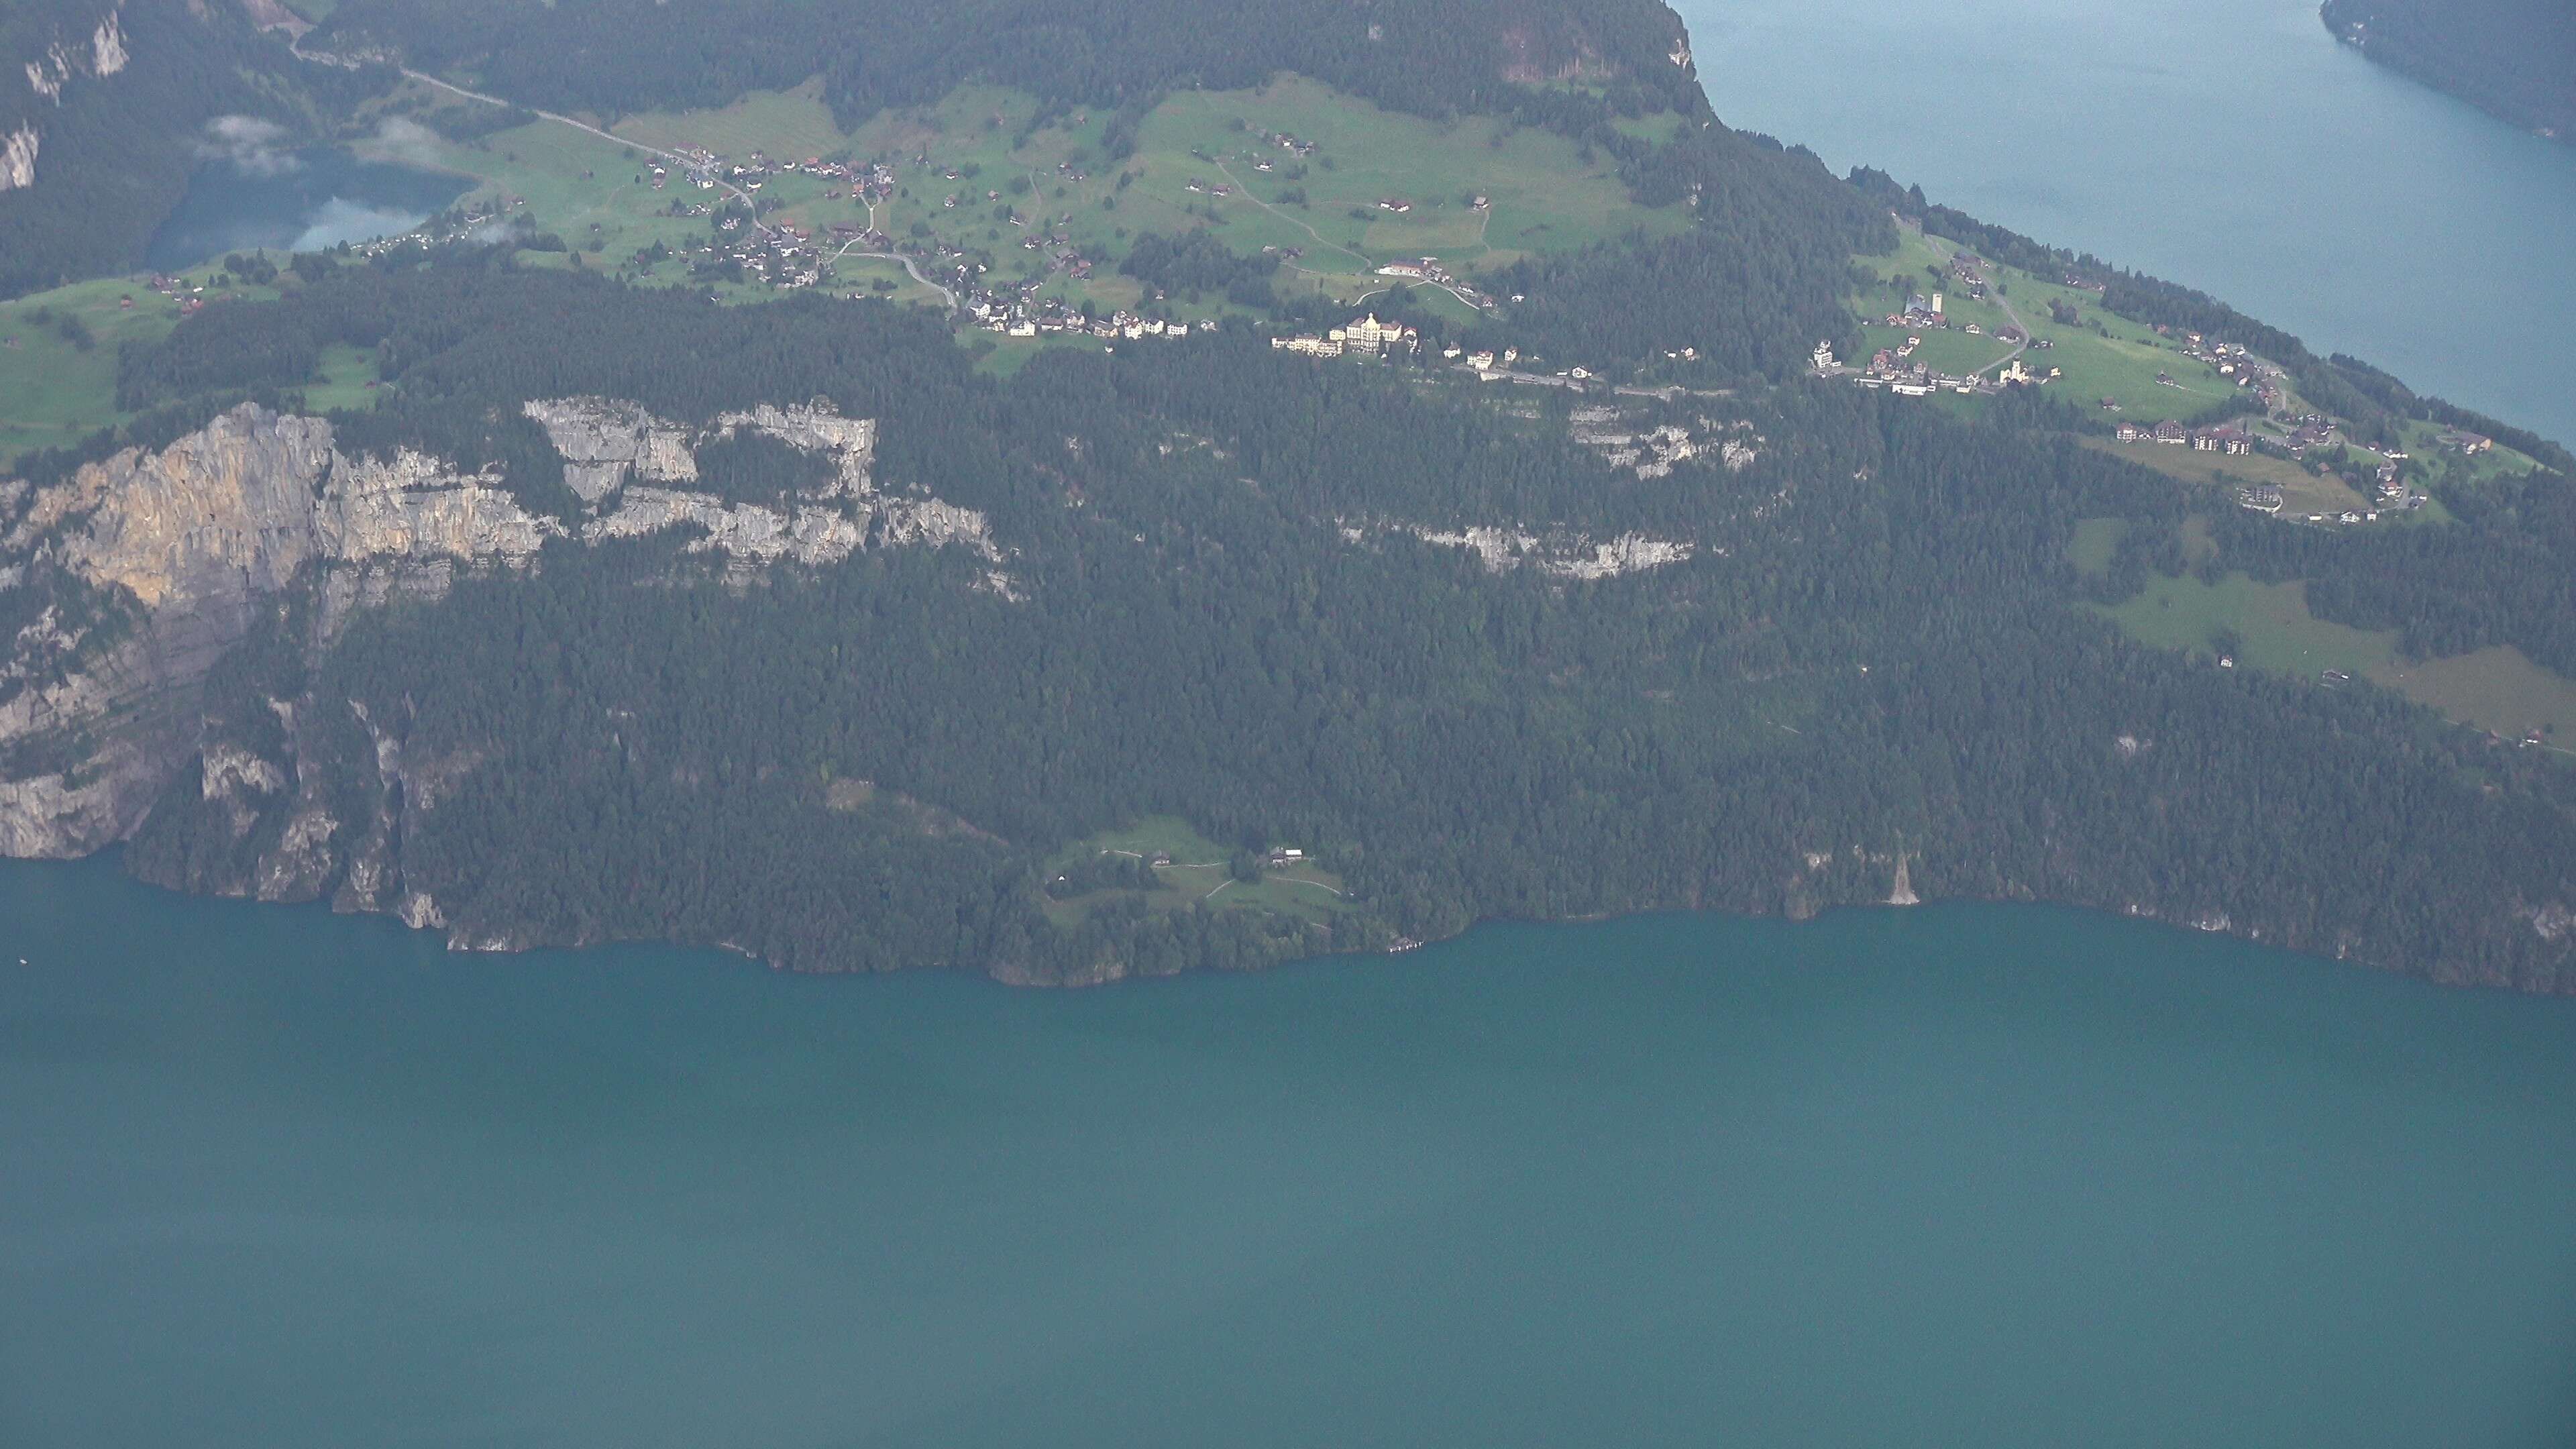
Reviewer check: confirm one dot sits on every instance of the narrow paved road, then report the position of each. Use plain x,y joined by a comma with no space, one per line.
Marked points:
736,192
296,45
945,295
2006,304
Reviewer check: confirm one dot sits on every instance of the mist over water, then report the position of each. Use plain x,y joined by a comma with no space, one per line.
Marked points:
243,199
2230,145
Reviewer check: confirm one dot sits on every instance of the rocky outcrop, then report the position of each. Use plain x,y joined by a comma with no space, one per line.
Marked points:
18,158
195,539
1565,556
181,551
107,47
623,461
605,443
101,56
236,510
745,531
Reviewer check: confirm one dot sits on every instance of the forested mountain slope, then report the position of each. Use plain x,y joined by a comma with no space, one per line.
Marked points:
543,683
634,606
2516,58
1438,56
106,106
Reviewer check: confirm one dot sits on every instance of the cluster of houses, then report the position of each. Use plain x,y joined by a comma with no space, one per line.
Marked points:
1429,270
782,254
2231,361
1020,315
1284,142
864,181
2234,442
1897,370
1364,337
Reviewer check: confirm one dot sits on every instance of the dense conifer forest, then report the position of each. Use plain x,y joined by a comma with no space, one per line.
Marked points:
1229,613
616,57
1847,649
2516,58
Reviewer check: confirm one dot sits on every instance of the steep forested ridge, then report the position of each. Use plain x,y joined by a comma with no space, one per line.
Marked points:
1432,56
2516,58
1451,639
1230,608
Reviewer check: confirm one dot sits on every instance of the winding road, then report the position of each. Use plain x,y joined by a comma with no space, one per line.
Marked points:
1996,293
296,44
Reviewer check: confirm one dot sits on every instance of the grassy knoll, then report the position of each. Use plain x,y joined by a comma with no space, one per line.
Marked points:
2099,355
1543,196
2493,689
575,185
2302,492
2446,465
1200,871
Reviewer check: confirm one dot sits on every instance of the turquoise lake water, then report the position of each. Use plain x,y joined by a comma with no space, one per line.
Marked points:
2232,145
1989,1176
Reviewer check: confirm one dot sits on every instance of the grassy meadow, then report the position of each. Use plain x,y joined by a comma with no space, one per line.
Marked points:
2496,689
1200,872
2099,356
55,390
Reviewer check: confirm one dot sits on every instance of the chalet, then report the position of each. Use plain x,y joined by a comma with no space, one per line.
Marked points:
2129,432
2172,433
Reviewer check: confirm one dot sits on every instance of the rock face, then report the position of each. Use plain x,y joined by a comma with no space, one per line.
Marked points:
18,158
1564,555
626,465
192,542
236,510
107,47
134,576
604,443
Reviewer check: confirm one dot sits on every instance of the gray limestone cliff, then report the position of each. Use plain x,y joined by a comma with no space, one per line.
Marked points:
123,586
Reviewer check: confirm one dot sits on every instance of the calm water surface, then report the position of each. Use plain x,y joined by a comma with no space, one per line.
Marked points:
2229,144
1958,1176
303,201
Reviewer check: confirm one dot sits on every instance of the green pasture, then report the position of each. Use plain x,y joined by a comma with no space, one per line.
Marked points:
2494,689
2098,356
1200,872
55,391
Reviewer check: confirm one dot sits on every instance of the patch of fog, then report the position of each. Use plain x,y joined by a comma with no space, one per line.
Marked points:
253,146
342,220
403,142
